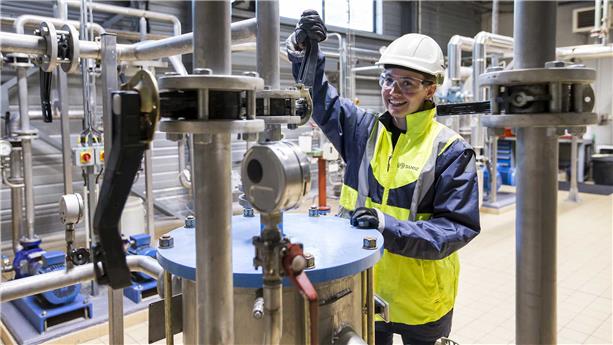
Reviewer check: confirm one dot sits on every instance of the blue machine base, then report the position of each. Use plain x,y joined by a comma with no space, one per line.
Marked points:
41,317
139,290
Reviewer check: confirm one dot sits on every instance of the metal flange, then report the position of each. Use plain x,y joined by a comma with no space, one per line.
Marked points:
73,43
212,126
281,120
49,60
528,76
211,82
563,120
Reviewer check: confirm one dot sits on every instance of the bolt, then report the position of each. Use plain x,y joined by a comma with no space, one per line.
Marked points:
252,74
310,260
313,211
248,212
203,71
190,222
555,64
166,241
369,243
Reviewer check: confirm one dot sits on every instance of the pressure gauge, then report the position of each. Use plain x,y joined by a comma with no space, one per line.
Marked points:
5,148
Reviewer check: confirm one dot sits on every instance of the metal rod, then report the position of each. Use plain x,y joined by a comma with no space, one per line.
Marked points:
168,329
62,88
189,312
214,288
150,197
16,199
115,301
494,169
537,152
26,147
370,305
363,303
573,192
29,286
495,16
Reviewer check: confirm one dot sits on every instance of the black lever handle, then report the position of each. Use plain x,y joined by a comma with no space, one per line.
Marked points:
306,75
45,95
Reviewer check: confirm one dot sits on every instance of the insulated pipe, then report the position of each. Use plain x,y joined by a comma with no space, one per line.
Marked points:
537,153
457,44
18,288
211,184
485,42
28,19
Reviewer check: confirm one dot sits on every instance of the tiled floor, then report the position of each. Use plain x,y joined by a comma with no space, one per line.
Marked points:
485,309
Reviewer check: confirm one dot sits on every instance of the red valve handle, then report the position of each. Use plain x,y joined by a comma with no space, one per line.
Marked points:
302,282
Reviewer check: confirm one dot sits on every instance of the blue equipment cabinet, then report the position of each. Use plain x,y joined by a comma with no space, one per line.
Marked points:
143,285
51,307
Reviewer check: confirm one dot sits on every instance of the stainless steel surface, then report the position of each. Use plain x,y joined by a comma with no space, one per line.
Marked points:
275,176
150,197
26,149
13,289
27,19
537,153
485,42
457,44
539,120
273,307
16,200
212,82
212,37
62,94
267,41
494,168
109,83
573,193
518,76
115,305
190,323
370,306
331,317
348,336
211,127
168,308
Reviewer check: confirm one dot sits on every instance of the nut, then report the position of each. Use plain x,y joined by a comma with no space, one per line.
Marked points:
313,211
252,74
166,241
310,260
203,71
369,243
248,212
190,222
555,64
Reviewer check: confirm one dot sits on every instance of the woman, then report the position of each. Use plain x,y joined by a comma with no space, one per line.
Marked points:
406,175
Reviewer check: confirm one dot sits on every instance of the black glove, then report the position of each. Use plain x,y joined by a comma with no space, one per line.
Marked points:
365,218
310,27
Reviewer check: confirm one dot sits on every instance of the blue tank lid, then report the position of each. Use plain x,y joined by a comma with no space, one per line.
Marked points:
335,244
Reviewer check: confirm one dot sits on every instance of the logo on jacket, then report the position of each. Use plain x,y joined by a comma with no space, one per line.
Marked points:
404,166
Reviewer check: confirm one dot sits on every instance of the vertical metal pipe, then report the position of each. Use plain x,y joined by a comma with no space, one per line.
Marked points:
212,185
537,153
321,183
273,318
115,299
26,150
370,305
168,308
150,197
189,312
109,83
62,87
364,302
494,169
16,199
573,193
267,42
495,20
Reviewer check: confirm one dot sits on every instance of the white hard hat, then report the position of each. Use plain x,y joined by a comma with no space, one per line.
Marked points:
417,52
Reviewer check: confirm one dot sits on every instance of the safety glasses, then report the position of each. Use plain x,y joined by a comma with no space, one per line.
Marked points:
406,84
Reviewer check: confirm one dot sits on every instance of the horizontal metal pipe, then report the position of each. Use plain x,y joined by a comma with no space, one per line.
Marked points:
28,286
28,19
457,44
130,11
348,336
591,51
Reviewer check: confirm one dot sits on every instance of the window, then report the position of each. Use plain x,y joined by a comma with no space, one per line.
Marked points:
354,14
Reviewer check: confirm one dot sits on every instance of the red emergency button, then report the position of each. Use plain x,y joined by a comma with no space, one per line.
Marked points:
86,157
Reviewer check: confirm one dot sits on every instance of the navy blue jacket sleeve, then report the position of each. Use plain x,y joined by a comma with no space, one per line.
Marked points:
455,211
344,124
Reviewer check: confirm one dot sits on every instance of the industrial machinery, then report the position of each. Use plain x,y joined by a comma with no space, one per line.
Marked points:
51,307
143,285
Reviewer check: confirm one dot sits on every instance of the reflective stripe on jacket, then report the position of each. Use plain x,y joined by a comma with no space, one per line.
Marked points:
426,185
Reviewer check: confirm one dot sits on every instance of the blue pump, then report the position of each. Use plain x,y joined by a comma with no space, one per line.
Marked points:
142,284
